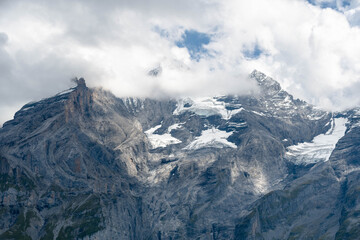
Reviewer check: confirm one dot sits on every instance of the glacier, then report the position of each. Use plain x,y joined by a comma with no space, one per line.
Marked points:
321,147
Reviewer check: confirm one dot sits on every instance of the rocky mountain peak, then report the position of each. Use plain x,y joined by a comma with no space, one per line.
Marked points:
79,101
267,85
80,82
155,72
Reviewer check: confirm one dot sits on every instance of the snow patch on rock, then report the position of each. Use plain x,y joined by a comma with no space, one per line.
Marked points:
259,113
321,147
174,126
211,138
205,106
158,140
65,92
27,108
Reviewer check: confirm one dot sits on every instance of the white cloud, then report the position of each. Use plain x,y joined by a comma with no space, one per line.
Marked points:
313,52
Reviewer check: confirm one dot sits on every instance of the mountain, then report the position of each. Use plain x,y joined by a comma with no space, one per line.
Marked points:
85,164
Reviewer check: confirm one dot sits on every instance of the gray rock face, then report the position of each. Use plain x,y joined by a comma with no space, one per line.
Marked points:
85,164
322,203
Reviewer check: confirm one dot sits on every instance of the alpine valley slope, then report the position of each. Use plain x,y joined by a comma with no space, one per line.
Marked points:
85,164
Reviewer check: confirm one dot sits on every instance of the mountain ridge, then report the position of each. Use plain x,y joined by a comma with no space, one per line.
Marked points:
86,164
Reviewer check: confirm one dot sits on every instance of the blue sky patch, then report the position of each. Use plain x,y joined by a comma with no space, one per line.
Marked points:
253,53
346,3
161,32
331,4
194,41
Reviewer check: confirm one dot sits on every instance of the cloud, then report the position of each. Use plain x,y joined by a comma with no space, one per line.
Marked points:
350,8
203,47
312,51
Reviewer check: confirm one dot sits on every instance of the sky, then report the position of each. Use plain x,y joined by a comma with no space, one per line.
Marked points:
204,47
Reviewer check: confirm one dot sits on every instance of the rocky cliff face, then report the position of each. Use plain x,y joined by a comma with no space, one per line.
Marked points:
86,164
322,203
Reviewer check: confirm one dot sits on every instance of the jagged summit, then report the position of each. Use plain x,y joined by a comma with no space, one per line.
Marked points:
267,85
262,78
80,82
155,72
